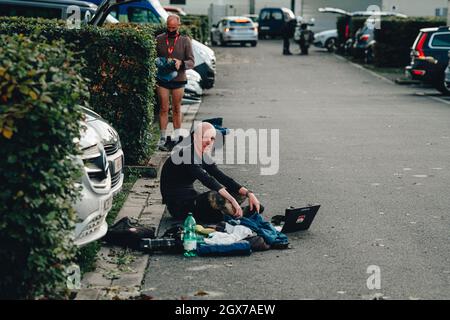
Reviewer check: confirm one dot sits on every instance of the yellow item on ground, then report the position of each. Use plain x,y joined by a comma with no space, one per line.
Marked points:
205,231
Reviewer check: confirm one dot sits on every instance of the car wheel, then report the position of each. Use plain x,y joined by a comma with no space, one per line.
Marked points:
254,43
330,45
214,43
443,86
222,42
368,55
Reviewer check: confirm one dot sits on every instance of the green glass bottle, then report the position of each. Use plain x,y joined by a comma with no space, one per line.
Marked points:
189,237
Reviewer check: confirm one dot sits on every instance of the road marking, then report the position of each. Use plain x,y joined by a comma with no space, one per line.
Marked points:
440,100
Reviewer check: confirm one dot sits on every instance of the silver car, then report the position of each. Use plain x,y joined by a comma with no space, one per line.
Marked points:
113,148
234,30
96,194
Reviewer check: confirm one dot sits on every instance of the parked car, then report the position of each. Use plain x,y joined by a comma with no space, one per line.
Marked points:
234,30
271,21
364,40
347,44
113,148
193,91
253,17
326,39
49,9
447,74
429,58
175,10
96,194
151,11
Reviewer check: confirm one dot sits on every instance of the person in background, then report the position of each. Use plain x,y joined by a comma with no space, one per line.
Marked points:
288,33
177,48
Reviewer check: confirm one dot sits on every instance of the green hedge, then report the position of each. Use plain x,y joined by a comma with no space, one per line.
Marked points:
198,25
41,92
121,69
396,37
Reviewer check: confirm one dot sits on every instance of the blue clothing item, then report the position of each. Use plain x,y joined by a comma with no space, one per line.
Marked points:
217,123
263,228
166,69
240,248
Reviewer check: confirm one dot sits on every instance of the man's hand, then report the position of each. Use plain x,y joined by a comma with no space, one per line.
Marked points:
237,209
253,202
177,64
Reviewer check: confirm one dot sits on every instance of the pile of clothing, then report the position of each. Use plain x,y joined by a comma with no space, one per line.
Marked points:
230,237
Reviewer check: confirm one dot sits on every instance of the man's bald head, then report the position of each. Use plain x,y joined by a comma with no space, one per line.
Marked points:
174,18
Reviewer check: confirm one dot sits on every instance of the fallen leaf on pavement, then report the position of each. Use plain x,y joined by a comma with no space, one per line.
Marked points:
201,293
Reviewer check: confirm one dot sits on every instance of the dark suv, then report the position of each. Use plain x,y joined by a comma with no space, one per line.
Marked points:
429,57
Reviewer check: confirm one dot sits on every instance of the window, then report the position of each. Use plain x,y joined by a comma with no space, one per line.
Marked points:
441,40
242,23
177,1
142,15
115,13
10,10
277,15
265,15
441,12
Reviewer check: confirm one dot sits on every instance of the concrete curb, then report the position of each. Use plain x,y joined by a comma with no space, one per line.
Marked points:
120,273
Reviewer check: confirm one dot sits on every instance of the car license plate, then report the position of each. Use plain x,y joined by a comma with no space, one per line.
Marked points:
118,164
107,205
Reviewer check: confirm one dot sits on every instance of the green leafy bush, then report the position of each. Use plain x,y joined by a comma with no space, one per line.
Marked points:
121,69
396,37
41,93
198,25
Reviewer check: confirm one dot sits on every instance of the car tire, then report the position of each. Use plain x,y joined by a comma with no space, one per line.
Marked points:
368,55
330,45
253,43
442,86
213,43
222,42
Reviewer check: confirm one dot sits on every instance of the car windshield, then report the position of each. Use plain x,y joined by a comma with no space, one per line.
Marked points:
142,15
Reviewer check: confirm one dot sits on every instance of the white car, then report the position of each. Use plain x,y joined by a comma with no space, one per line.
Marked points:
113,148
96,194
326,39
234,30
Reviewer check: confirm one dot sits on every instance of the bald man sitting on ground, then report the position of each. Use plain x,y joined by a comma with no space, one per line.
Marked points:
192,161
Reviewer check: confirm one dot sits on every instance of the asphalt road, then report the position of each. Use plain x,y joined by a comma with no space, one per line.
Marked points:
375,155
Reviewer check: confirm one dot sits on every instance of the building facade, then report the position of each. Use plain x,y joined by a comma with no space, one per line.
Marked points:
417,8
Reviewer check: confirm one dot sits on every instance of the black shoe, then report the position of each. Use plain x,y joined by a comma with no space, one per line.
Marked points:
287,53
172,143
168,146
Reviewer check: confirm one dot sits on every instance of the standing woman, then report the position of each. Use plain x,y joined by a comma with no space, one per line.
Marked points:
176,47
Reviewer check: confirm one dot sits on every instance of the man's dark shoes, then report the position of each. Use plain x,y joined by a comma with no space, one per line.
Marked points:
287,53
